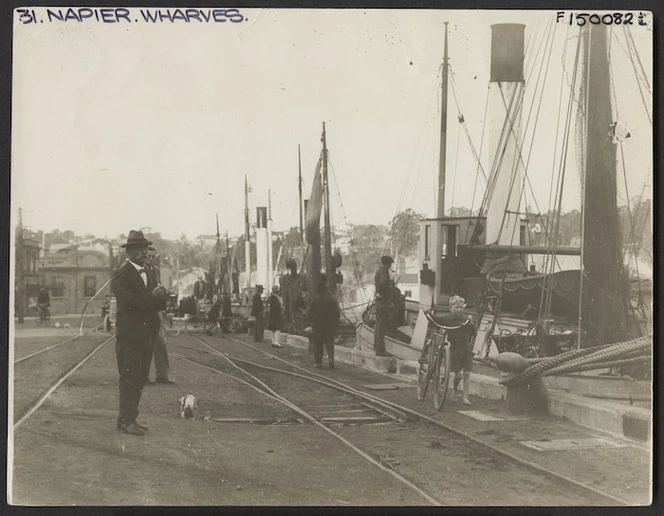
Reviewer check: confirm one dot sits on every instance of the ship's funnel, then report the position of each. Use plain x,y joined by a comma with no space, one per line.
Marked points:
507,52
262,277
505,160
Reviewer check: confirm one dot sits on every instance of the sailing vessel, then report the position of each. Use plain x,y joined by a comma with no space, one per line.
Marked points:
483,257
318,256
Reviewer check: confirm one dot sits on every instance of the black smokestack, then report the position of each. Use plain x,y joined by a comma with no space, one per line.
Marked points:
507,52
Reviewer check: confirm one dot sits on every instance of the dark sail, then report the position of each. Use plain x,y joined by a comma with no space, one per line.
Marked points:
604,296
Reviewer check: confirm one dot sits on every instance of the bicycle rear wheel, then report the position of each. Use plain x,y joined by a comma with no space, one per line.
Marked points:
441,378
424,373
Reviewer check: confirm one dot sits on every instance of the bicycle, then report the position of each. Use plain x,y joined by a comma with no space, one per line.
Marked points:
437,366
44,316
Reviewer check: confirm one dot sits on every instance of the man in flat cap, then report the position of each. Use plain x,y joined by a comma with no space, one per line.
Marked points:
383,286
139,299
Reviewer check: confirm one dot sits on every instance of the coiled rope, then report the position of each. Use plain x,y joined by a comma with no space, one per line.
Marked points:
597,357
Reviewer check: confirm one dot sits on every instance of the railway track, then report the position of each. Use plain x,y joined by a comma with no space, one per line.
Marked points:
34,406
346,408
54,346
398,413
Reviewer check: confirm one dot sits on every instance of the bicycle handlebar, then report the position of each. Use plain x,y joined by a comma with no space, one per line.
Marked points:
433,321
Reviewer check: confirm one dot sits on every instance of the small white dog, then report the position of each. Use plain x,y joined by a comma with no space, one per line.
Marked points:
188,406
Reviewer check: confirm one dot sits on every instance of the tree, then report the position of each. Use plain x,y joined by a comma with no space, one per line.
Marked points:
367,245
405,231
460,211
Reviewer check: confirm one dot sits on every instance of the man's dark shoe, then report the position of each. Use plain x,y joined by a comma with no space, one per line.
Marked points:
166,381
382,354
317,366
132,429
332,365
142,427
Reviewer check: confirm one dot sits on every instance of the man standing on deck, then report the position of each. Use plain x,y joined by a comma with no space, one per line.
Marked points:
139,300
383,286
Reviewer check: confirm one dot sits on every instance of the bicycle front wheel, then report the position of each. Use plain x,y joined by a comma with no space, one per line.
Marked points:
441,378
424,373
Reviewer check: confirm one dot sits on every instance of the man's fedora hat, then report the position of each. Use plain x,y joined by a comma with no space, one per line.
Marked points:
136,239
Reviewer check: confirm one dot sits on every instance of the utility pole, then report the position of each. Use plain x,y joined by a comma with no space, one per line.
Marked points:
270,279
228,266
20,273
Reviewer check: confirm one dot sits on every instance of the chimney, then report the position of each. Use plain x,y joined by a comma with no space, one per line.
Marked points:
506,89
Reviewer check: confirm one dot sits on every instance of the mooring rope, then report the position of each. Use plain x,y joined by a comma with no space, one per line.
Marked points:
597,357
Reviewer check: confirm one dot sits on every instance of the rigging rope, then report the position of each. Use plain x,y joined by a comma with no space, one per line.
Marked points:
632,50
596,357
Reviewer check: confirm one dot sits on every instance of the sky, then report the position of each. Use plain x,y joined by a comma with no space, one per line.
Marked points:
127,125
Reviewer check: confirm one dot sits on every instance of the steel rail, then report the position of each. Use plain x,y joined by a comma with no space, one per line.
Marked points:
77,336
385,408
531,465
57,384
273,394
381,408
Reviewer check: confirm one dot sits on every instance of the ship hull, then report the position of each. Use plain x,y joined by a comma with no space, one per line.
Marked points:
524,295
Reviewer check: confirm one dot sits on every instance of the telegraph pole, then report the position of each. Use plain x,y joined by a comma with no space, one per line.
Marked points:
20,273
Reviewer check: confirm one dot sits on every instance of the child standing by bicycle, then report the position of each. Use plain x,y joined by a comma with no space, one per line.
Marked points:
459,328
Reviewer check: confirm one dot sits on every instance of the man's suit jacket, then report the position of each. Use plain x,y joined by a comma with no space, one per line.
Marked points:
137,315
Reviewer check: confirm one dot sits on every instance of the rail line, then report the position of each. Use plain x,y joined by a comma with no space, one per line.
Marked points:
57,384
268,391
418,416
77,336
375,403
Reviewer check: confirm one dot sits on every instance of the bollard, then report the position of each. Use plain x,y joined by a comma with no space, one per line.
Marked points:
527,398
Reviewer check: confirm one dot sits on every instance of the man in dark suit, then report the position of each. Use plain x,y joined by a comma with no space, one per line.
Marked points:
324,314
139,299
257,310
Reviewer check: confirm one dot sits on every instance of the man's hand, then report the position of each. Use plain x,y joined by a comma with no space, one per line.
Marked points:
160,292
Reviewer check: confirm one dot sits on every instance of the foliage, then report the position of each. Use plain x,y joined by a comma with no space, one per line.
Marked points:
405,231
367,245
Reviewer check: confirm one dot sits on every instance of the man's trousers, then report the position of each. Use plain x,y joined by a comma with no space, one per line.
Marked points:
161,355
134,357
259,328
382,319
323,340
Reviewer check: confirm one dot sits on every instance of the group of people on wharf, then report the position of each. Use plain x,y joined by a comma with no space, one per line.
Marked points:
140,335
323,317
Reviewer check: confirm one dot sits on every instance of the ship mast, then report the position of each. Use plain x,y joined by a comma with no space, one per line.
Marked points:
440,209
299,188
247,244
329,267
218,252
443,135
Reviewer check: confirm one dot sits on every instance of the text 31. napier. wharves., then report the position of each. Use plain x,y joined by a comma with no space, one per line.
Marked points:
124,15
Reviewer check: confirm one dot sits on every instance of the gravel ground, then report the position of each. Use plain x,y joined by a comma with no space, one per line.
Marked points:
207,462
